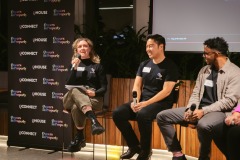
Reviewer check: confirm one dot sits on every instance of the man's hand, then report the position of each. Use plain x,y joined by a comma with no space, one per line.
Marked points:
233,119
187,115
194,116
133,107
197,114
138,106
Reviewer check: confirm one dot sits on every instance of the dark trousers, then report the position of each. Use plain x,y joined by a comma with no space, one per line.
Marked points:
228,141
144,118
205,129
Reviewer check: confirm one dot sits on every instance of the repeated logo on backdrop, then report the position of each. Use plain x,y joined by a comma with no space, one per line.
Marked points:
40,38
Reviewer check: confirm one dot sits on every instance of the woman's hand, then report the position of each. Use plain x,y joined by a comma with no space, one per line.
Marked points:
75,61
90,93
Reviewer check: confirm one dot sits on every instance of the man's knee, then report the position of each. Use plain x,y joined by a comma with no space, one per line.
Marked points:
161,116
203,126
142,114
116,114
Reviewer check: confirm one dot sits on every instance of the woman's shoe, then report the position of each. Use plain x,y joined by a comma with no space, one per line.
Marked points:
97,128
76,145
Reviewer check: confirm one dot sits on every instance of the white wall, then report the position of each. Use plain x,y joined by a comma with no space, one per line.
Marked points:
141,16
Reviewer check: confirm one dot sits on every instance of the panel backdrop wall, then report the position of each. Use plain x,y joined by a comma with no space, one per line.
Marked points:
40,36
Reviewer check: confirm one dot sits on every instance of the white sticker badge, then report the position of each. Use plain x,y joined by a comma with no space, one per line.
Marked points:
146,69
208,83
80,68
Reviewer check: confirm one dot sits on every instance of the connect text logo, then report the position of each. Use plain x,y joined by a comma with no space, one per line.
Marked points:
22,106
28,53
27,26
27,133
32,80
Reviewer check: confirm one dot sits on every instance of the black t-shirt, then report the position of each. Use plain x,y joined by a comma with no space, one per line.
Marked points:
89,74
154,76
210,89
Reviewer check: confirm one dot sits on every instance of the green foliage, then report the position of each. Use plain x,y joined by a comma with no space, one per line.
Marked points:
121,56
235,58
120,52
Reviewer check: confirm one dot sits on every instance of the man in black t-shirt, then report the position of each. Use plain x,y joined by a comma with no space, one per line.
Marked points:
153,84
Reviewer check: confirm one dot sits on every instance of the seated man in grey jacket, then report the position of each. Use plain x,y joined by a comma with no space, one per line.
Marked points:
216,92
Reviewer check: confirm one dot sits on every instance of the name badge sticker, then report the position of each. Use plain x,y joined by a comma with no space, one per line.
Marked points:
208,83
146,69
80,68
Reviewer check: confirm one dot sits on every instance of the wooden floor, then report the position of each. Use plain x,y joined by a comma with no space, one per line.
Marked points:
18,153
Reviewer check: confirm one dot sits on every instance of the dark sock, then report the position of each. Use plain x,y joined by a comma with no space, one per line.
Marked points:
90,114
79,134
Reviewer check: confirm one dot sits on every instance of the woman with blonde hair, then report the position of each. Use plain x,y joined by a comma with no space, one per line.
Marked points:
86,71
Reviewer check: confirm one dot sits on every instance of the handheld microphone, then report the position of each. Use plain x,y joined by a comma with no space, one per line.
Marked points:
79,57
193,107
134,94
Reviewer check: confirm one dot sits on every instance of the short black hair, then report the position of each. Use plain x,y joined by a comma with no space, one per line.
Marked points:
158,39
217,43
